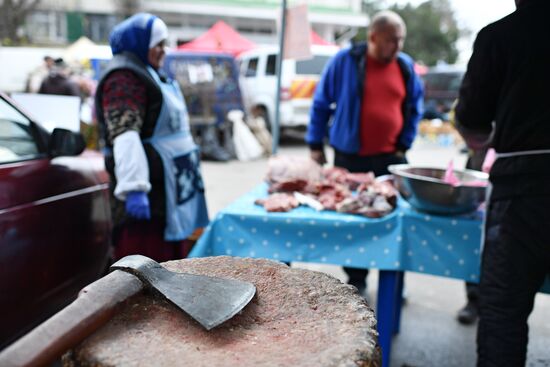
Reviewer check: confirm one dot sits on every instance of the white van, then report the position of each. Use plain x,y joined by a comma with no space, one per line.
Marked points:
258,82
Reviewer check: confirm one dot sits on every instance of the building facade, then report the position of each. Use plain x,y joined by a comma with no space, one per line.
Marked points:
59,22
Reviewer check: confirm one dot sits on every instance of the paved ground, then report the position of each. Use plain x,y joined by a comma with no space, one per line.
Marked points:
429,336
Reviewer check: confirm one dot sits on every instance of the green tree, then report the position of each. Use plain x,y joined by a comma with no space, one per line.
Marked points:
432,30
372,6
12,17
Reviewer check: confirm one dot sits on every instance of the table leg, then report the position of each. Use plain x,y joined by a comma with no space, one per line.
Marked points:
390,285
398,302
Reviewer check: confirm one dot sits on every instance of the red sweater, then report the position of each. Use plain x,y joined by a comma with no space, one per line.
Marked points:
381,109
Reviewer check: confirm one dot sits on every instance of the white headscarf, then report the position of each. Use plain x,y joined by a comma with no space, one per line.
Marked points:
159,32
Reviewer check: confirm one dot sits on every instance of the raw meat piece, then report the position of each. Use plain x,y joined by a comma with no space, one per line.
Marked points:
384,188
354,180
284,168
367,203
288,186
343,176
335,174
332,194
278,202
349,205
333,189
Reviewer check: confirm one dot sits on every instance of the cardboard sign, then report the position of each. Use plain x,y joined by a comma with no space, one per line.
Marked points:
297,42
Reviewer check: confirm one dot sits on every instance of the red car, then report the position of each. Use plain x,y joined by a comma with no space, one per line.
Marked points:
54,220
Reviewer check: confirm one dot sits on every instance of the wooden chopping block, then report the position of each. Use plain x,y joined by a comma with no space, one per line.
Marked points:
297,318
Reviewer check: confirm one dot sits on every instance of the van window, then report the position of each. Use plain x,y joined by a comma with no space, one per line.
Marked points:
312,66
252,67
271,66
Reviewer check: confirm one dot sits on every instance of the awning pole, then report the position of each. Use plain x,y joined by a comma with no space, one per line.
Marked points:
275,127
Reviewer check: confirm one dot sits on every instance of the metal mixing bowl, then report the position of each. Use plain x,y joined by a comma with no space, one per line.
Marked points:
424,189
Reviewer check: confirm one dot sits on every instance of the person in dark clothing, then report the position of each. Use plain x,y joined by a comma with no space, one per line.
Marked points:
378,103
507,83
469,313
37,76
58,81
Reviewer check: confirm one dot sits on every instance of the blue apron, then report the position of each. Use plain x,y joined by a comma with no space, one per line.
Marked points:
184,189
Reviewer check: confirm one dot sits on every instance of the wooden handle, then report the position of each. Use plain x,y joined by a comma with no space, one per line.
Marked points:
96,304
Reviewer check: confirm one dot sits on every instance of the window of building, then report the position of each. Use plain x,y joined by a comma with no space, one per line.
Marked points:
97,27
46,27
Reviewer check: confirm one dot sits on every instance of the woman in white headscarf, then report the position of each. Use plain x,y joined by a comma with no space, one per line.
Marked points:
158,193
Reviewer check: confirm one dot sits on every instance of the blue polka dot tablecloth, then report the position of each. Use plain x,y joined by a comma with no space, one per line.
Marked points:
405,240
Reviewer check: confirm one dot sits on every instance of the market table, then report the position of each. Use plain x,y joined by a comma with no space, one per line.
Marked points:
404,240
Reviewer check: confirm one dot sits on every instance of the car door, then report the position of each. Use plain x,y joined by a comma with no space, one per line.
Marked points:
54,224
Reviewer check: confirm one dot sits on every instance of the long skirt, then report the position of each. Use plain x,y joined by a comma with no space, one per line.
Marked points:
147,238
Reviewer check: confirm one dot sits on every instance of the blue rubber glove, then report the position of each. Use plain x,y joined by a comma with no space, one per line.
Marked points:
137,205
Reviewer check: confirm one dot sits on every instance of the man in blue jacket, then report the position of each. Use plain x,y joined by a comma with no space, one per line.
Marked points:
375,99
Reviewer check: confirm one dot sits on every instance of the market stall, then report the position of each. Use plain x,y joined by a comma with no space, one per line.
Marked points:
219,38
405,240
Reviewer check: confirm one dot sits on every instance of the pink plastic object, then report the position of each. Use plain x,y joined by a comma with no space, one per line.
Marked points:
475,183
450,176
490,157
451,179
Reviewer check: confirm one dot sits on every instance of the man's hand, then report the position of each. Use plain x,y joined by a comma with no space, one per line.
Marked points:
399,153
318,156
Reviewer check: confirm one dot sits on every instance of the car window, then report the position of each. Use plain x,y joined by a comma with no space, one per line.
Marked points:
16,140
456,81
443,81
312,66
271,67
251,67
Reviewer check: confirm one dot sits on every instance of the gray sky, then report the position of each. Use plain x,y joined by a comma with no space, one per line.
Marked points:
474,15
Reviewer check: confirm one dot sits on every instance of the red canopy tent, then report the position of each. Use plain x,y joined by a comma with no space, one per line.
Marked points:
220,38
317,40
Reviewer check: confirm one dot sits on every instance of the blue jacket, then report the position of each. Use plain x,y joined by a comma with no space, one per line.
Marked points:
339,94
